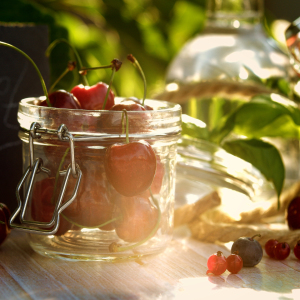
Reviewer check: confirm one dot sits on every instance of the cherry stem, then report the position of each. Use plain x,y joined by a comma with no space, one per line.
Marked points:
58,79
57,173
90,227
54,43
255,236
36,68
114,247
135,62
1,222
84,70
109,87
124,112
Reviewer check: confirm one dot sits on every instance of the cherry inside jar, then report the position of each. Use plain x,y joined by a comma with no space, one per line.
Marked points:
102,222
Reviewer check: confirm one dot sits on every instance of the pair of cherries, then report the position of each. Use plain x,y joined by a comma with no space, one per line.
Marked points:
281,251
217,263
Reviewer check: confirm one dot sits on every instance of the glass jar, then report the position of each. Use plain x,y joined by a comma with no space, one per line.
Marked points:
98,223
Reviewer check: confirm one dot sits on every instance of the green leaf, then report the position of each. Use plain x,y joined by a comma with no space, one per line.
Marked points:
264,156
263,116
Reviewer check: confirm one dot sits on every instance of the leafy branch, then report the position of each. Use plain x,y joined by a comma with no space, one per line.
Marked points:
263,116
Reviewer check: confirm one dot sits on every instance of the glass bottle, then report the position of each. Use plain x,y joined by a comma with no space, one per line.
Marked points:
232,60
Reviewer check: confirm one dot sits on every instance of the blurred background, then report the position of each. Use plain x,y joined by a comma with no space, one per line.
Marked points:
153,31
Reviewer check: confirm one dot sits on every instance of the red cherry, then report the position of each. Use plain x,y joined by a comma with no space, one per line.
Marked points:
112,122
136,217
234,263
92,206
42,207
129,105
136,100
4,227
158,177
7,214
62,99
130,168
92,97
217,263
293,214
269,247
281,251
297,250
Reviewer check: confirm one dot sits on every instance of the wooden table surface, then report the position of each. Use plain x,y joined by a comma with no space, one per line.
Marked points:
178,273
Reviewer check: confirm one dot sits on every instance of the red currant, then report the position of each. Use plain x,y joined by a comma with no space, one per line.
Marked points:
217,263
297,250
234,263
269,247
282,251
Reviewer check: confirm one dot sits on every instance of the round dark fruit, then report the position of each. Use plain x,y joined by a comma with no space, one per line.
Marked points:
293,214
249,250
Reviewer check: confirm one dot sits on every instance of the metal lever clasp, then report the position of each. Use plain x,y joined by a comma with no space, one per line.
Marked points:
64,135
34,168
39,227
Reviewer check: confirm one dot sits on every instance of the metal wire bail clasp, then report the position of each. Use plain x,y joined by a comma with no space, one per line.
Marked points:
36,167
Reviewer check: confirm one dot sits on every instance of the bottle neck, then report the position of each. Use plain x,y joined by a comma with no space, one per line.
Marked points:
234,14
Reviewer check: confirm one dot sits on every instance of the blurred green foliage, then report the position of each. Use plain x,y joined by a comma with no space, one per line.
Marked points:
152,30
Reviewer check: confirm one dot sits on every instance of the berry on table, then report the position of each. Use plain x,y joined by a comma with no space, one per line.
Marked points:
216,264
282,251
269,247
297,250
234,263
249,250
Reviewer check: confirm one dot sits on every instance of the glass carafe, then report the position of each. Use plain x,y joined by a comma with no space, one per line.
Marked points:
232,60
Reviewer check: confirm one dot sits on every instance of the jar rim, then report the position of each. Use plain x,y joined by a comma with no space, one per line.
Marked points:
164,119
33,101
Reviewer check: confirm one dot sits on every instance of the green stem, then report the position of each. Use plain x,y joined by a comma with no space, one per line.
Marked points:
90,227
58,79
35,66
57,173
124,112
95,68
109,87
135,62
114,247
54,43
